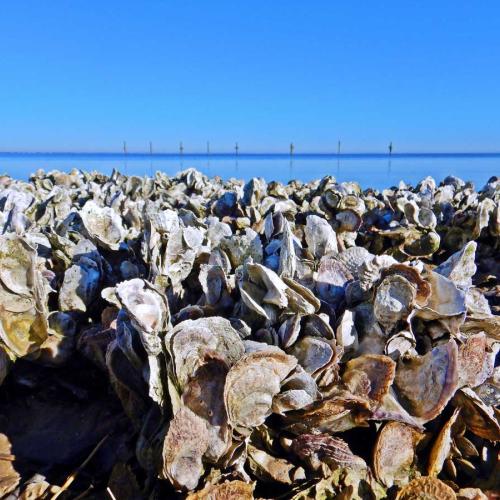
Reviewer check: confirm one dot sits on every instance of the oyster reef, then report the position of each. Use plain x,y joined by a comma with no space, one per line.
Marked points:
175,337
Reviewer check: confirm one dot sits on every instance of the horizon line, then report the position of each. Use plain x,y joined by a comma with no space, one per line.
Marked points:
243,154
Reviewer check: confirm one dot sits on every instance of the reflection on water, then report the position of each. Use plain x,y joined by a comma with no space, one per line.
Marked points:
376,171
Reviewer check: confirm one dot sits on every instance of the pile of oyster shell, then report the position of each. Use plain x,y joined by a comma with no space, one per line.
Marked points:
308,340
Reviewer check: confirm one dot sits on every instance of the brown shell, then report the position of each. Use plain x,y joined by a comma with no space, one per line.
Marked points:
317,449
394,453
441,447
230,490
428,488
426,383
380,371
269,468
479,418
339,413
9,478
474,364
184,446
204,396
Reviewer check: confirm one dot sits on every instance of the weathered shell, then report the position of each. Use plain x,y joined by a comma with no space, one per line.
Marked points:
426,383
312,353
147,309
320,236
184,446
214,283
346,334
204,396
400,344
394,300
103,225
460,267
340,412
318,325
353,258
349,220
485,210
190,340
182,249
289,331
225,491
426,487
441,447
421,216
446,299
298,390
419,244
394,454
23,315
16,265
379,370
251,385
477,304
370,270
371,335
80,285
471,494
288,258
265,278
412,274
269,468
300,299
475,365
331,280
240,247
9,477
479,418
318,449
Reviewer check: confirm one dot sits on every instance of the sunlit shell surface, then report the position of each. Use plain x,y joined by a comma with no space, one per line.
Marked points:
251,385
103,224
428,488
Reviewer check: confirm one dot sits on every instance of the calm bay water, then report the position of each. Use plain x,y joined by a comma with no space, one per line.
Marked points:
370,170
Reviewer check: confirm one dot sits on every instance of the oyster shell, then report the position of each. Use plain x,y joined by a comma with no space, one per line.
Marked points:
426,383
225,491
394,454
251,385
189,341
320,236
460,267
441,447
318,449
184,446
103,225
394,301
426,487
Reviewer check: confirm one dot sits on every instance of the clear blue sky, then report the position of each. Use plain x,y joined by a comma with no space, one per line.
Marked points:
86,75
